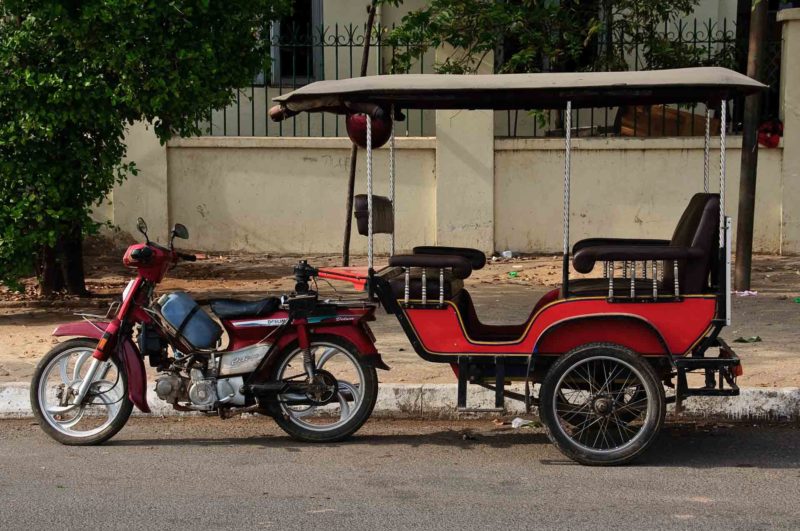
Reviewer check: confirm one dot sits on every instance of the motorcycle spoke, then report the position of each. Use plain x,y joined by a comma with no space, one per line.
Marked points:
326,355
71,422
302,413
344,407
62,367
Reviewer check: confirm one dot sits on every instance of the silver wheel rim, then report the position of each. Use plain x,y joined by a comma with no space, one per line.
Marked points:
602,404
56,394
349,397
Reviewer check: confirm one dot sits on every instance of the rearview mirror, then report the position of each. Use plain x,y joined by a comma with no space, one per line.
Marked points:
142,226
180,231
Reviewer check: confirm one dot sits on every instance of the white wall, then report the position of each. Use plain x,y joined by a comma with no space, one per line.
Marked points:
288,195
623,187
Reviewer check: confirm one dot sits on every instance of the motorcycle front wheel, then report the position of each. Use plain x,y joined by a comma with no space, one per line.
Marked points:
352,402
57,379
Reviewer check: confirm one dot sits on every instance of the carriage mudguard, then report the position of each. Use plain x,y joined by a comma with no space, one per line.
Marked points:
128,352
630,331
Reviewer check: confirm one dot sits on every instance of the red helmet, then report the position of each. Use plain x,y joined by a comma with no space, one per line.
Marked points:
357,130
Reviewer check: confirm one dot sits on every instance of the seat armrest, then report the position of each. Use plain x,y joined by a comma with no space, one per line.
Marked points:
476,258
461,266
584,259
594,242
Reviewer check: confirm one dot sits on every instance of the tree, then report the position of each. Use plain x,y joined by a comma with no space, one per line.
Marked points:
536,36
75,74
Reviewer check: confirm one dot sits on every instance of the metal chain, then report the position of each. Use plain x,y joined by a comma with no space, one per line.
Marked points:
706,149
567,161
722,131
369,192
391,178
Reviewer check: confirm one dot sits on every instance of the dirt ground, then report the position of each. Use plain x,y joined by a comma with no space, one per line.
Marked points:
504,291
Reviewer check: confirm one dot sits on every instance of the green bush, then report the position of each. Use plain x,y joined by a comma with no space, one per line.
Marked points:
74,75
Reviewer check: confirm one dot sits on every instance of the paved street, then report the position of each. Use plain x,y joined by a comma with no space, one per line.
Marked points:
212,474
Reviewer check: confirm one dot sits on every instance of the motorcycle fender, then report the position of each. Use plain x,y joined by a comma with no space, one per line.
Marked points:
356,335
128,352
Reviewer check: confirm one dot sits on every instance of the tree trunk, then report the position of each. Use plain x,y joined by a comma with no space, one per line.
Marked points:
71,257
351,181
60,268
50,279
747,180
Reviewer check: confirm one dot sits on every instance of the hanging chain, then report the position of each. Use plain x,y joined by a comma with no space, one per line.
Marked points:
391,177
369,192
722,131
567,160
706,149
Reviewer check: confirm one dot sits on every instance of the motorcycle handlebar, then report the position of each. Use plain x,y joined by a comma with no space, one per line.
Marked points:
186,256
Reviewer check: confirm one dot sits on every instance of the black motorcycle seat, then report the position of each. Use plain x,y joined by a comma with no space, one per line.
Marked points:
233,308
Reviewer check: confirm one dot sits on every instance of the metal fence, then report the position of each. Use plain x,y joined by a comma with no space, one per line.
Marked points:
301,56
693,43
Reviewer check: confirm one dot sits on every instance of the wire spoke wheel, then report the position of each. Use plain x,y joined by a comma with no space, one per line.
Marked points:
349,388
56,389
602,404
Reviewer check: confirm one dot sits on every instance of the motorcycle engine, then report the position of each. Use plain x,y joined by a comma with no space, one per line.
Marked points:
202,391
171,388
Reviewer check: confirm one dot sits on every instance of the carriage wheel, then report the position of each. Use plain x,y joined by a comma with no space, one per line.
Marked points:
602,404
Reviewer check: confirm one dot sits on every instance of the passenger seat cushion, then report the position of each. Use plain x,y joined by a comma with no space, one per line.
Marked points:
458,265
475,257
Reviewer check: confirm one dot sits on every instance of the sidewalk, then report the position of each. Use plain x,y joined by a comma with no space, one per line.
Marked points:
770,364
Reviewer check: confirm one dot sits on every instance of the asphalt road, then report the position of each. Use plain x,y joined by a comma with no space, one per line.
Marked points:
244,473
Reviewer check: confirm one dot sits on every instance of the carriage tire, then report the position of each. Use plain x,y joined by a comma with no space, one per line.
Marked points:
652,385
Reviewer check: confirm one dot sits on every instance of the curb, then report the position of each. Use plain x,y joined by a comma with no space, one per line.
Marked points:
437,401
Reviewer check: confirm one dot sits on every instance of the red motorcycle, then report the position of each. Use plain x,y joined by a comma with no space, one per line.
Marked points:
309,364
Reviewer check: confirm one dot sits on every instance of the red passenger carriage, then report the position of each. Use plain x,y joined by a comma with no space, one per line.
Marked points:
603,349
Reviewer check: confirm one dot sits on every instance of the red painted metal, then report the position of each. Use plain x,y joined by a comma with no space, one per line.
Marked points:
633,324
348,323
158,265
357,276
131,358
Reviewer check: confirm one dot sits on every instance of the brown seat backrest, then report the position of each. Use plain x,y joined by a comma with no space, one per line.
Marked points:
697,228
382,214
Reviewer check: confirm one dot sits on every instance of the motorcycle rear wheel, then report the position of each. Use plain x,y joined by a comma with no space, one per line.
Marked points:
355,399
104,410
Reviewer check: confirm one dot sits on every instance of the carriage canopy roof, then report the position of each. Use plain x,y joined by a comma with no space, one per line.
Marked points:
521,91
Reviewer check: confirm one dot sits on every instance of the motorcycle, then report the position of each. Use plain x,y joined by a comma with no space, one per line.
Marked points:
308,363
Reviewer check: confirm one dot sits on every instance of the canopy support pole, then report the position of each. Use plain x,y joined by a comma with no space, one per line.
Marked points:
391,179
722,124
369,193
706,148
567,170
724,279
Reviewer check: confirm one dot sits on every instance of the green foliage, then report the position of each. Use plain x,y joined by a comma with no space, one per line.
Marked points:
75,73
546,35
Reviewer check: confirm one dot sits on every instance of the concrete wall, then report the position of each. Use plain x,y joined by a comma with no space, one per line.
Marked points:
622,187
287,195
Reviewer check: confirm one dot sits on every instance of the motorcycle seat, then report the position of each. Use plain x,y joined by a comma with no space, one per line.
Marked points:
233,308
